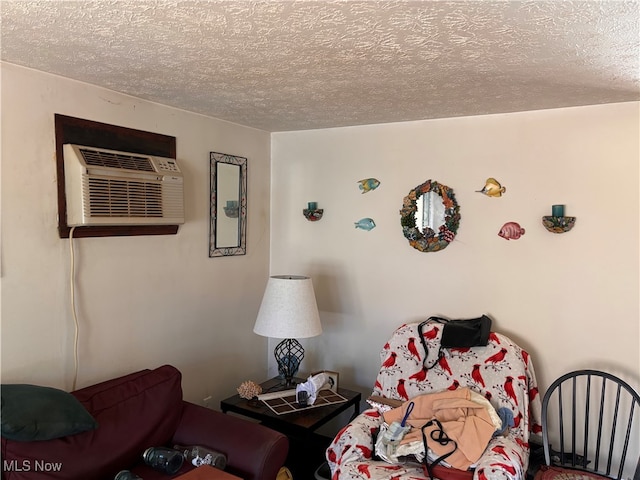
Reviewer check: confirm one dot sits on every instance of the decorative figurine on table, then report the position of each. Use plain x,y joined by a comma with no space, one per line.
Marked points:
492,188
250,391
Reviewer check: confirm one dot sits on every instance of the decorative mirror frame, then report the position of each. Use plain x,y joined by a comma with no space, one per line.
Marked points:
241,248
429,240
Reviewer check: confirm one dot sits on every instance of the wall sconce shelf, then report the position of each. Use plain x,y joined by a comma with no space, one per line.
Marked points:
232,209
558,224
231,212
313,215
312,212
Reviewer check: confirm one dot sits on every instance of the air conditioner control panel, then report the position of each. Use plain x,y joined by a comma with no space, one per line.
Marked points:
166,164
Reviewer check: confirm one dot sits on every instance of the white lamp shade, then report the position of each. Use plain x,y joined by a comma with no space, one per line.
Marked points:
288,309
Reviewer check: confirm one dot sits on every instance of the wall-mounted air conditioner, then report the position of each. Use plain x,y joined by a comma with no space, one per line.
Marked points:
107,187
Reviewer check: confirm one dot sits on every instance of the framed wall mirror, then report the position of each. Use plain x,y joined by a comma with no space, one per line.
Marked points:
430,216
228,207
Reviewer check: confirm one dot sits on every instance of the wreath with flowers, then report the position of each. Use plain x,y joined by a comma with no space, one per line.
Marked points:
428,240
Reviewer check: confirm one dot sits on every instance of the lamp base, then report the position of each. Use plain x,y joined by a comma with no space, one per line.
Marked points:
289,354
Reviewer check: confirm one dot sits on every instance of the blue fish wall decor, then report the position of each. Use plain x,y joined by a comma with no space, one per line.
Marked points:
366,224
368,184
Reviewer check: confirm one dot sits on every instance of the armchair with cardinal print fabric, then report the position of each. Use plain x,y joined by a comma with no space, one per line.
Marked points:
500,372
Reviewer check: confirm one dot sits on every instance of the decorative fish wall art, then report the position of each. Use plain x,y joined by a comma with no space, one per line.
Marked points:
368,184
365,224
511,231
492,188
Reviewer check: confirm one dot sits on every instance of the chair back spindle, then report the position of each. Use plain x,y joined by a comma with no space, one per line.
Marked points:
596,423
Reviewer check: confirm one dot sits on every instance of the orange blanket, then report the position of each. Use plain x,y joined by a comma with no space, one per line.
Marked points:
463,420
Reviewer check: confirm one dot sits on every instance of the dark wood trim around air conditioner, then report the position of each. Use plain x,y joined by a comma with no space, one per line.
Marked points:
102,135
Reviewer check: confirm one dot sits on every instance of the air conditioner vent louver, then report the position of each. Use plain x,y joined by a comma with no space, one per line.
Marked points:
106,187
101,158
121,198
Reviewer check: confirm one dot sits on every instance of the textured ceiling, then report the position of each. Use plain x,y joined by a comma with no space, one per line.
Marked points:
291,65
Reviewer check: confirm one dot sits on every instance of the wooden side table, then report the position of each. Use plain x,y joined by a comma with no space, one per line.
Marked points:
301,422
299,426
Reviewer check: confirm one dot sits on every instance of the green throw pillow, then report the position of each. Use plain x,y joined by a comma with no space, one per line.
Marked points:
31,412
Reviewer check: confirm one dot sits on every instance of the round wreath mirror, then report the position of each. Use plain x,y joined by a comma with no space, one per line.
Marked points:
430,216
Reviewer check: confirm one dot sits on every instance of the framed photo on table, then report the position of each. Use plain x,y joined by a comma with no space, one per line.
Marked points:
333,379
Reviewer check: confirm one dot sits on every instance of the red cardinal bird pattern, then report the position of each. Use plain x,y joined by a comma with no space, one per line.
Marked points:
364,469
498,357
401,390
431,334
500,371
331,455
366,451
444,364
389,467
509,468
499,449
517,419
476,375
420,375
390,361
508,388
411,346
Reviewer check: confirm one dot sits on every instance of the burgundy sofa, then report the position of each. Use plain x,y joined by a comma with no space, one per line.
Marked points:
137,411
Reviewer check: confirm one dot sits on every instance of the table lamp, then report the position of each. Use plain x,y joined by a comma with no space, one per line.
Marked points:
288,311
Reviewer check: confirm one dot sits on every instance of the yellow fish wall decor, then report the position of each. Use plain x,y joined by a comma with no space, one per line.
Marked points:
492,188
368,184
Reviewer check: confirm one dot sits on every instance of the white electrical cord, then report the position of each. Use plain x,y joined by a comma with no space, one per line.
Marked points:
73,309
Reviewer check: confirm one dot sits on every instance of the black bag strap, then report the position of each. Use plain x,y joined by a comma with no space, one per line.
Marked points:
424,342
439,436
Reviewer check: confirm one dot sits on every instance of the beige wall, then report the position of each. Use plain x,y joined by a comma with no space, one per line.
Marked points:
571,300
142,301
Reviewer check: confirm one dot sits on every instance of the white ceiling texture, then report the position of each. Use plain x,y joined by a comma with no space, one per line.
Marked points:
291,65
